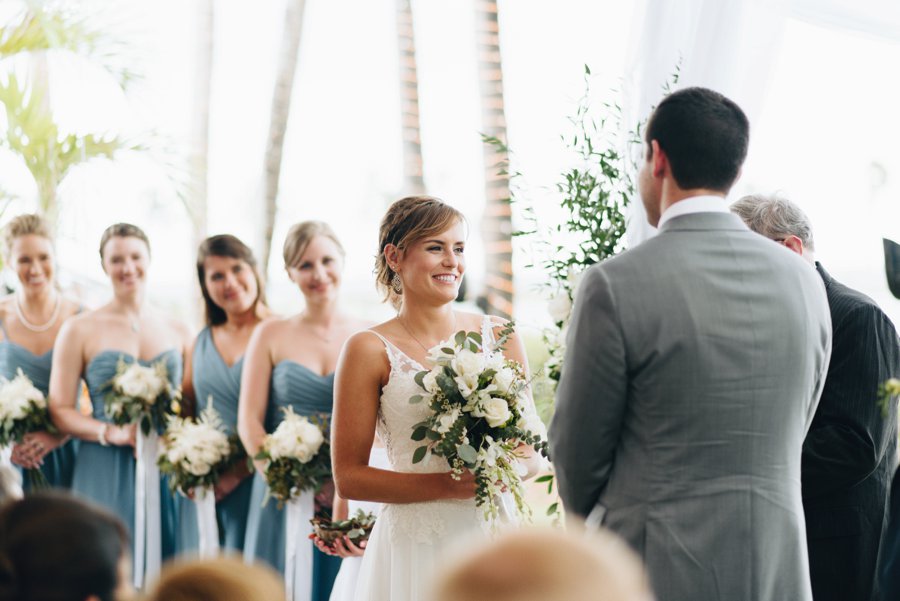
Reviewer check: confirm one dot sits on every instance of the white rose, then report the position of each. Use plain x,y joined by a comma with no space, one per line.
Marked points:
560,306
430,381
504,379
446,420
198,468
530,422
16,408
494,361
468,363
494,410
141,382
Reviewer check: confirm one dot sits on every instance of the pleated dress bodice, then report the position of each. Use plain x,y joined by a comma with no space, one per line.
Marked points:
105,474
307,393
58,464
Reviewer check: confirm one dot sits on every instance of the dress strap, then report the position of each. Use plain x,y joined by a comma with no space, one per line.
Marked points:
487,332
389,348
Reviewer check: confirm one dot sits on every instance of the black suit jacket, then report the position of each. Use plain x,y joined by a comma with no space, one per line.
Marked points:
849,454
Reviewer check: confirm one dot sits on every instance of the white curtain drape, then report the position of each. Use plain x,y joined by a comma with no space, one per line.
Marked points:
729,46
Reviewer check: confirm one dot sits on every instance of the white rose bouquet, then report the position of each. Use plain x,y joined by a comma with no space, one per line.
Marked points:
23,409
195,452
296,456
143,394
480,416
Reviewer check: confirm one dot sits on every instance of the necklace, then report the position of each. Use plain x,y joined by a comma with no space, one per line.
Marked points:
419,342
326,339
44,326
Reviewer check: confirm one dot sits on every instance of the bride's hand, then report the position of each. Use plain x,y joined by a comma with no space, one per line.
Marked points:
464,488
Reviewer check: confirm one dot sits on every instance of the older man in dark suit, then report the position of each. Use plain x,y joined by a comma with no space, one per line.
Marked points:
850,451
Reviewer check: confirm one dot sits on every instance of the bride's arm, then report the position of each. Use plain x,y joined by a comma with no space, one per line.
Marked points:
362,369
531,460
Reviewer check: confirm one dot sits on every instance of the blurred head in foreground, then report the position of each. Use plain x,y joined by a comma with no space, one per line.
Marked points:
54,547
546,565
222,579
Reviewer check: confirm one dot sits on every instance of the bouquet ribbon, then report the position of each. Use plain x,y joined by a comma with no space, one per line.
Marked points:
205,501
6,455
147,523
298,555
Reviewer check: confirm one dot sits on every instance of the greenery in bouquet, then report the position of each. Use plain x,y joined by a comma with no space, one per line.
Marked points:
480,415
296,456
141,394
23,409
195,452
357,528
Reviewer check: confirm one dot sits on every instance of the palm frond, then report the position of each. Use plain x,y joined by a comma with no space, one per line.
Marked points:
55,26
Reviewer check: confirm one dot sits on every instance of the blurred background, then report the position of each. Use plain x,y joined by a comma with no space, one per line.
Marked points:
196,117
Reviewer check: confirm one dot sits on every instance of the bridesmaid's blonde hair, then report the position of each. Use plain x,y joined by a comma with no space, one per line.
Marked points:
299,237
24,225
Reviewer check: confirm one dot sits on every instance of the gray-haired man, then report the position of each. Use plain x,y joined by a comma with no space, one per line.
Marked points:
849,452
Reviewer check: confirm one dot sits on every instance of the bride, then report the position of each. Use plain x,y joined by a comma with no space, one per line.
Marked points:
419,269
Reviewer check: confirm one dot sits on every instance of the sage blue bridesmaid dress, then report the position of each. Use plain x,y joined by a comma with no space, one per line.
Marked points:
308,393
59,463
105,475
213,378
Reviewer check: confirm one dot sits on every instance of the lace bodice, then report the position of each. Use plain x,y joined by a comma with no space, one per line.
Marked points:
429,521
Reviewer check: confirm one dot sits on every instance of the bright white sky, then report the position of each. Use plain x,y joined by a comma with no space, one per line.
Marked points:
822,138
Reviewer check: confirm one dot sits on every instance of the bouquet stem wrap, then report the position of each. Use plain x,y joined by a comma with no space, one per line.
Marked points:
6,455
205,500
147,526
298,556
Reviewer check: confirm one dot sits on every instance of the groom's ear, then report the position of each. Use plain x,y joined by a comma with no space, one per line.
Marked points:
658,159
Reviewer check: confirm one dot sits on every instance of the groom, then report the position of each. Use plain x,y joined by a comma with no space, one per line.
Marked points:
694,365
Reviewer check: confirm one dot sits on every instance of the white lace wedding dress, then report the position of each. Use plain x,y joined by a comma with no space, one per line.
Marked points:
405,546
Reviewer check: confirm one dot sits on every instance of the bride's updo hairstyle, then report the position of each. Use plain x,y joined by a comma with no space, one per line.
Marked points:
123,230
406,222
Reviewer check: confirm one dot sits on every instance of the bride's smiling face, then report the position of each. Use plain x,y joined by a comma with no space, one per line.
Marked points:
433,267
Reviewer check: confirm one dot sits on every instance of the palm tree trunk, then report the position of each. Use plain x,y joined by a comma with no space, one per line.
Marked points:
281,105
198,206
413,182
497,221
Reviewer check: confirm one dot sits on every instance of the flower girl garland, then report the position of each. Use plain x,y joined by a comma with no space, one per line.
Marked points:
480,416
195,452
143,395
23,410
297,464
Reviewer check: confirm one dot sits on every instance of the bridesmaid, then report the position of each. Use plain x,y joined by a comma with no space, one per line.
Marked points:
30,319
290,362
89,346
235,303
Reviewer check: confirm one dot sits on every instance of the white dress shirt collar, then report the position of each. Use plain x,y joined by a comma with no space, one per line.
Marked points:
694,204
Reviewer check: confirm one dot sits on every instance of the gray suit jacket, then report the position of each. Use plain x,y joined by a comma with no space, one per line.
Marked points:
693,368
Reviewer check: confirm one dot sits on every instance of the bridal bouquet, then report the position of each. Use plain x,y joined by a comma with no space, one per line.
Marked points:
479,417
195,452
296,456
139,393
23,409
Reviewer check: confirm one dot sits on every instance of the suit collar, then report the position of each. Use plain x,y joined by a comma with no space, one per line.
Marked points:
704,221
826,277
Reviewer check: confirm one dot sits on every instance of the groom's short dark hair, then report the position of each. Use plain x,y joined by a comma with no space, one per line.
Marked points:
704,135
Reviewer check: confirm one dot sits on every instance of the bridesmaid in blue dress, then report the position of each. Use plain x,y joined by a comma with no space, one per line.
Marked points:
89,346
30,319
235,304
290,363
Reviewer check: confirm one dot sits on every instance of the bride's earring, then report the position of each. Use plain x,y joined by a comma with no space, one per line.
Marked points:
396,284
